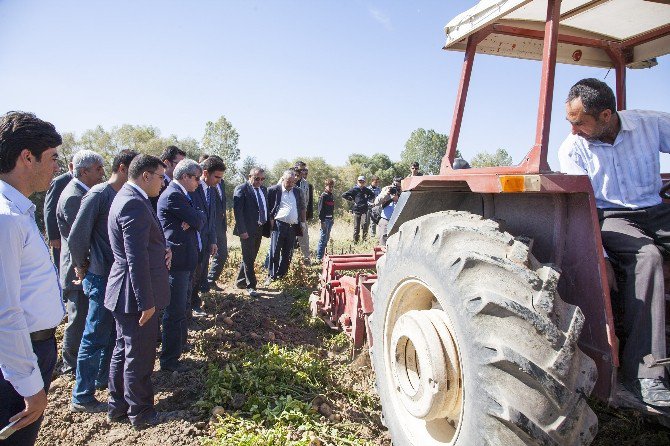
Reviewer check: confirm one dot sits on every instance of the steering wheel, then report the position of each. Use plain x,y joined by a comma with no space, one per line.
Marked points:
664,191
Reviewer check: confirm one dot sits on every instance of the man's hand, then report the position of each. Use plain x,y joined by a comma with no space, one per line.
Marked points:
244,235
55,243
213,249
185,225
146,315
35,406
168,258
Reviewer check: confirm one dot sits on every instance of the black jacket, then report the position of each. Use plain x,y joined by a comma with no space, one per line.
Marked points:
360,196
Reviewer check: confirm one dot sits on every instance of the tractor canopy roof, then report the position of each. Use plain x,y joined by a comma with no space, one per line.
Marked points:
588,31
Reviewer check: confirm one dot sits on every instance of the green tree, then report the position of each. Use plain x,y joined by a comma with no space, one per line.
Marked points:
485,159
378,164
221,139
427,147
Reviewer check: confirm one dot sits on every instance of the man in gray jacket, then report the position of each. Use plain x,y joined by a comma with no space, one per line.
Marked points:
50,203
92,256
87,171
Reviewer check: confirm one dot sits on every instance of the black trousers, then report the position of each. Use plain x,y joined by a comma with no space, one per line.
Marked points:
130,390
361,220
635,241
219,260
281,248
246,277
12,403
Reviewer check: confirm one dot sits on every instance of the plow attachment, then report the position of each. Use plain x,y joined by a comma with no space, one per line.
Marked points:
344,302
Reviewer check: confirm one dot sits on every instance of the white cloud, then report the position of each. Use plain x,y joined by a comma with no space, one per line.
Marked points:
381,17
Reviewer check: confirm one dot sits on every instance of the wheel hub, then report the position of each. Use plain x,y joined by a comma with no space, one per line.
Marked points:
425,365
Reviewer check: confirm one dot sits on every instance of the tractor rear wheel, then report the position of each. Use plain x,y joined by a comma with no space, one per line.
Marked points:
472,343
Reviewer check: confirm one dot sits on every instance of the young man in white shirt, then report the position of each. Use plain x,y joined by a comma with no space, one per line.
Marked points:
31,305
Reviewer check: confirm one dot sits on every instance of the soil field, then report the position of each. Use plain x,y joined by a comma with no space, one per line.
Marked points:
273,376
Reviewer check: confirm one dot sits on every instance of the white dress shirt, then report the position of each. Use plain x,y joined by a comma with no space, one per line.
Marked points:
30,296
625,174
288,208
85,187
138,189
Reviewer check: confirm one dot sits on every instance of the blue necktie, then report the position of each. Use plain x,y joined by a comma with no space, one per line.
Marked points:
196,232
261,208
209,197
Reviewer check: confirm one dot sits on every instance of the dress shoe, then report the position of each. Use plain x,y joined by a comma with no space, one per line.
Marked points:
654,392
122,418
198,312
94,406
150,421
214,286
204,288
252,292
179,368
102,386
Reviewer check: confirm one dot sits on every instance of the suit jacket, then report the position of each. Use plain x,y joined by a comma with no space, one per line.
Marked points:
138,279
208,232
309,200
51,203
274,200
245,208
175,208
66,212
220,211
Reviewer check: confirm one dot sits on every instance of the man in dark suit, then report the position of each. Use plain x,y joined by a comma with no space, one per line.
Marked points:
204,197
88,170
219,259
251,224
170,157
50,205
307,190
287,212
138,285
181,222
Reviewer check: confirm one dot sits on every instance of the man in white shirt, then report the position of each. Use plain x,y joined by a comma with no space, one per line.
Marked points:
619,151
287,212
30,301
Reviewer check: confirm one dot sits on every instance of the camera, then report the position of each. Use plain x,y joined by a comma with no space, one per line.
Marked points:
393,190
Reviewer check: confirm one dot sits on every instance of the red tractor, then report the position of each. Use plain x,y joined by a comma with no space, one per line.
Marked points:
492,318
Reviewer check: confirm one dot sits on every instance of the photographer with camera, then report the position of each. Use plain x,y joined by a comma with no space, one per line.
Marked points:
384,206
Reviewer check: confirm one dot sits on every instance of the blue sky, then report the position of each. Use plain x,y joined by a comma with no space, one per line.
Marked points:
296,78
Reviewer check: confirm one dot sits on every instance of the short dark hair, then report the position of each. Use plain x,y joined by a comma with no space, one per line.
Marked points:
143,163
203,157
21,130
214,164
299,165
596,96
124,157
415,164
170,153
329,182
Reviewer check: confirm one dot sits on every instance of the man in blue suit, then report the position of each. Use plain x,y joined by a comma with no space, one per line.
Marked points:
137,286
251,224
181,223
219,259
204,197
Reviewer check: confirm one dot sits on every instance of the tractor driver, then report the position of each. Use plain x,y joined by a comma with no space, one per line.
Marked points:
619,151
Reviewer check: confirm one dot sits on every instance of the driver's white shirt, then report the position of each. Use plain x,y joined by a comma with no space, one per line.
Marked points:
625,174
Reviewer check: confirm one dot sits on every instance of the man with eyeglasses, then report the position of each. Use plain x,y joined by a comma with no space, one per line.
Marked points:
251,224
360,196
170,157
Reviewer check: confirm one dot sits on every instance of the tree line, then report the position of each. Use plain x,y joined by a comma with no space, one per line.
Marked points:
427,147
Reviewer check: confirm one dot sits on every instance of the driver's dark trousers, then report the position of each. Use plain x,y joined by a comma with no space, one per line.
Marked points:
635,241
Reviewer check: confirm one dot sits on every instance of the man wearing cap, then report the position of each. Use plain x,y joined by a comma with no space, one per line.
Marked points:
31,305
360,196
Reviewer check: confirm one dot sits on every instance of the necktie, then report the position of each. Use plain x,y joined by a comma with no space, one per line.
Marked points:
209,197
261,208
196,232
